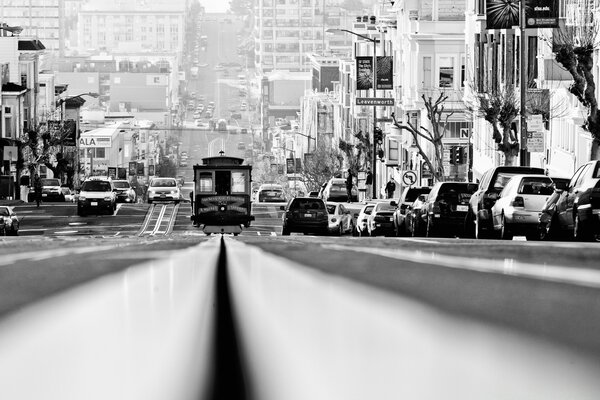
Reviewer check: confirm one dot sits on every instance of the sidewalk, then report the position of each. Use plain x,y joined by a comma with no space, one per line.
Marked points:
11,202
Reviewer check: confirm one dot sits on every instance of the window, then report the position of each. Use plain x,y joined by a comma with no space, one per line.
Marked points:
238,182
427,72
100,152
446,72
206,182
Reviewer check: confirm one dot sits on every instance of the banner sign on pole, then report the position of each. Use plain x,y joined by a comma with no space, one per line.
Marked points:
121,173
501,14
150,170
364,73
385,72
140,169
541,14
132,168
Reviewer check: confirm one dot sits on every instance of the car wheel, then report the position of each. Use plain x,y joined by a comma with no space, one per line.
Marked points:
480,233
504,232
340,231
149,201
551,230
579,232
429,232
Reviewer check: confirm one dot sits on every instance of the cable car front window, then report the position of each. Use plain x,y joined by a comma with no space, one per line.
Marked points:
238,180
206,182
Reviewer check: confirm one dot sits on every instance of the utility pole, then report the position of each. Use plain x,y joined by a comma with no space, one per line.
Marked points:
524,159
374,162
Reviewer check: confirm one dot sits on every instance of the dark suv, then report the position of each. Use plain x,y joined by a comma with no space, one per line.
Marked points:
306,215
446,208
479,217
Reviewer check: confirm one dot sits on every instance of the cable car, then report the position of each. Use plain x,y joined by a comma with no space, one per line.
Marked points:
221,198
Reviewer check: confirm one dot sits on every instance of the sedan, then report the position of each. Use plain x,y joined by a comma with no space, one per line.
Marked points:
164,189
519,206
381,220
306,215
9,222
340,219
124,191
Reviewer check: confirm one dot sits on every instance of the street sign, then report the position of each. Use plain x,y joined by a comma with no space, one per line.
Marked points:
374,101
535,142
409,178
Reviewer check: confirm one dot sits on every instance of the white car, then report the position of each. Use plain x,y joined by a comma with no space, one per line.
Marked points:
361,220
340,219
518,209
96,194
164,189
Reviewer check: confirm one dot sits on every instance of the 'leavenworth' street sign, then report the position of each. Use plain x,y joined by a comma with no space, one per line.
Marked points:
374,101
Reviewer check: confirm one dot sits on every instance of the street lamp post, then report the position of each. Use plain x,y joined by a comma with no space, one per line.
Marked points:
374,157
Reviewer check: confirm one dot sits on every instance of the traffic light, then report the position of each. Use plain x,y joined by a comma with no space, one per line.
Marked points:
378,135
453,155
460,155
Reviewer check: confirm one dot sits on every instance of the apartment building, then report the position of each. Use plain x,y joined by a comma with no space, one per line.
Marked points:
40,19
126,25
288,31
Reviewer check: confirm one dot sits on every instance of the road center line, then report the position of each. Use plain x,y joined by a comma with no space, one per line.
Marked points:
554,273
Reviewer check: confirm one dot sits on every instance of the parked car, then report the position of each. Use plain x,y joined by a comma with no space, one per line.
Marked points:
125,193
335,190
340,219
306,215
519,206
361,220
415,217
271,193
446,208
9,222
164,189
479,219
222,125
236,116
408,197
96,194
51,190
381,220
577,214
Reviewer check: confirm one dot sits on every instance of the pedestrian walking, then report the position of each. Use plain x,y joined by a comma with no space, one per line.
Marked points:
37,189
369,184
390,188
349,185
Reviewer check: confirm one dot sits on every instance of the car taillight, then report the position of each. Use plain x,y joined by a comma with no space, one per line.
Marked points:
518,202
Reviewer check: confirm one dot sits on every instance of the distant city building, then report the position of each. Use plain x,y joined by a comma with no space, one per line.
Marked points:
288,31
40,19
126,25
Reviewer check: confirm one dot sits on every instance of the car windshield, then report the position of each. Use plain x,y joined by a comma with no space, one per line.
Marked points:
539,186
96,186
164,183
4,212
50,182
331,208
338,188
456,192
121,185
414,193
368,210
385,207
307,204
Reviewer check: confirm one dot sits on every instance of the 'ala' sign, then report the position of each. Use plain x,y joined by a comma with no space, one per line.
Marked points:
94,141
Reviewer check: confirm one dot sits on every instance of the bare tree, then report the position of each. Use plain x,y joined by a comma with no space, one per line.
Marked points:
324,163
574,47
499,108
436,113
358,153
